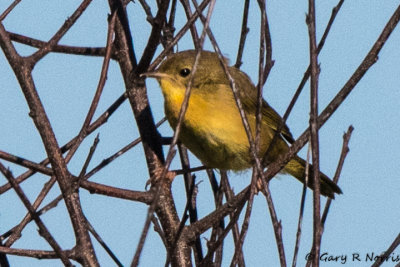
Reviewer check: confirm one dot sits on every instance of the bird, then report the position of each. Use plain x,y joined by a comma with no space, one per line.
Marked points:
212,128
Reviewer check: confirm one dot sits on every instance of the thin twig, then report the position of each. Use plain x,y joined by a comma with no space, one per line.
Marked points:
147,10
190,181
243,34
37,254
158,229
386,254
92,187
43,51
66,49
246,220
235,229
365,65
119,153
94,126
103,244
217,228
193,30
343,154
247,128
317,229
26,163
43,230
9,9
179,35
303,81
96,188
154,38
23,71
234,206
192,194
302,205
15,232
276,223
171,151
255,174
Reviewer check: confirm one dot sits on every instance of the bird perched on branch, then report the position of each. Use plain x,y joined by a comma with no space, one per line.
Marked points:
212,128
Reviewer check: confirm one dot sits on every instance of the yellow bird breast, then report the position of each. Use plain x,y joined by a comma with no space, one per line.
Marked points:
212,128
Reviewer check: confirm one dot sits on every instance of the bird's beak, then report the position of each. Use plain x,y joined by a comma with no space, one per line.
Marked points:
154,74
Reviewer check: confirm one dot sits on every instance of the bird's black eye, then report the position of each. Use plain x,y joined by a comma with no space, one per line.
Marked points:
184,72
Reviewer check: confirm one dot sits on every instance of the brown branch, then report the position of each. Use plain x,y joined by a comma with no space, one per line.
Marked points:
42,228
66,49
386,254
102,81
168,29
192,194
365,65
301,211
136,90
95,125
303,81
214,217
179,35
317,229
217,229
9,9
235,229
38,254
265,37
130,195
103,244
96,188
276,223
343,154
193,30
158,229
25,163
190,181
246,125
147,10
15,233
22,70
154,38
120,152
212,247
243,34
246,220
3,258
43,51
179,257
89,157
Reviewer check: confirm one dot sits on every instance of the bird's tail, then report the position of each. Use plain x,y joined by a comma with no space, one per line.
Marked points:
296,168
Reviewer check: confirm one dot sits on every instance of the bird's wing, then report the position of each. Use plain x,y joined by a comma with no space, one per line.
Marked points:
248,97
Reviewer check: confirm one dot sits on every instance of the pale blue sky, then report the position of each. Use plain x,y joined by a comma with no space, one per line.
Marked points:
363,220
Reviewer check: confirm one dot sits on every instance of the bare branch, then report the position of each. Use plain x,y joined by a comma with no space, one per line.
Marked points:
368,61
386,254
43,230
66,49
317,230
243,34
43,51
23,72
9,9
343,154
